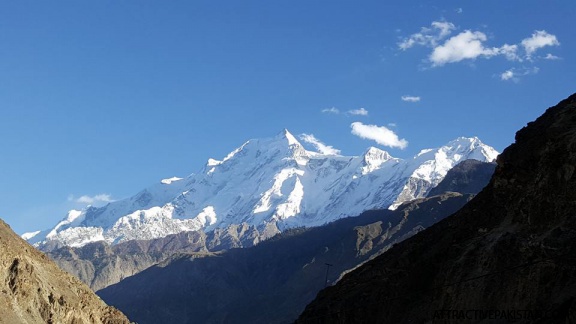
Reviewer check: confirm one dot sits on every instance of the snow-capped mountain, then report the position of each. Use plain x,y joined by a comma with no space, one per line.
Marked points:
264,183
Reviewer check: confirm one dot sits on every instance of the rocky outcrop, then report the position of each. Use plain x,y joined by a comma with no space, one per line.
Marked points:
469,176
34,290
508,255
273,281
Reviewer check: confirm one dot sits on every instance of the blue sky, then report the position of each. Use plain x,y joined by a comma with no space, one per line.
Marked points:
100,99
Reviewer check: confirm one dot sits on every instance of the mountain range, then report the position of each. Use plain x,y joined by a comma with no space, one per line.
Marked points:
100,264
262,188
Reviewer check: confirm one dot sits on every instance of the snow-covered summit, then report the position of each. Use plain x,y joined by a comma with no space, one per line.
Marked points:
285,134
374,158
431,165
263,182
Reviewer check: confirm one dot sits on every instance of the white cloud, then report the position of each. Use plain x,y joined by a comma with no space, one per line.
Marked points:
459,10
539,39
332,110
361,112
379,134
470,45
515,74
551,57
444,27
466,45
392,125
321,147
428,36
510,52
507,75
410,98
91,200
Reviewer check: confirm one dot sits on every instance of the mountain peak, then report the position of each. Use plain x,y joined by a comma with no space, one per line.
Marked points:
474,148
286,135
374,158
374,154
465,140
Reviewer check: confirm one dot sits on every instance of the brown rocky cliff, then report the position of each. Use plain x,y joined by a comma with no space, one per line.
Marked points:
34,290
511,249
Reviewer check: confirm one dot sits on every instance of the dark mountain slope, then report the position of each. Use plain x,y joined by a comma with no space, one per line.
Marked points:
513,247
274,280
468,176
100,264
34,290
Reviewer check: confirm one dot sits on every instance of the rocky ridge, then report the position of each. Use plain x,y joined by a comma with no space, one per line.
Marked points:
34,290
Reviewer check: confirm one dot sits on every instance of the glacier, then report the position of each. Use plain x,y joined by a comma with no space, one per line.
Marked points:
272,184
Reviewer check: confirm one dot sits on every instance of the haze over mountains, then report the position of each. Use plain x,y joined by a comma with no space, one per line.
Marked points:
264,186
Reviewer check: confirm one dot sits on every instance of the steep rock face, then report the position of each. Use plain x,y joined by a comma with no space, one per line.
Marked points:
271,184
35,290
469,176
511,249
272,281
